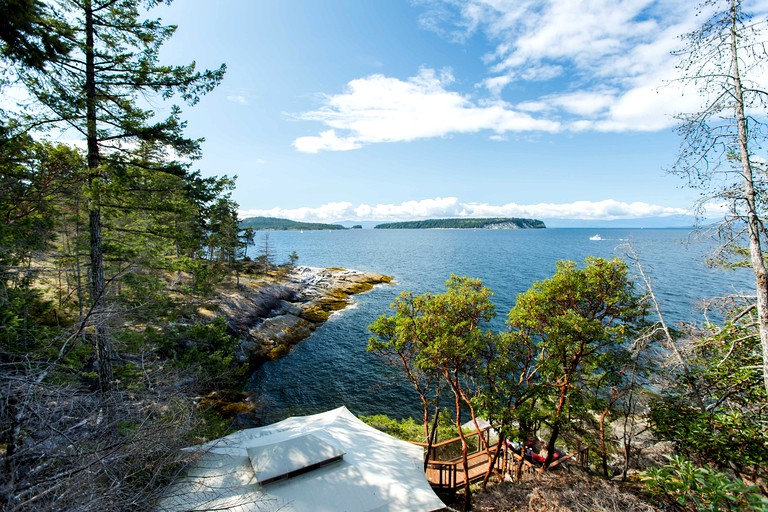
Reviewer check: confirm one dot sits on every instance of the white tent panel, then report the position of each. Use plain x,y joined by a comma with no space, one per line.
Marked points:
368,470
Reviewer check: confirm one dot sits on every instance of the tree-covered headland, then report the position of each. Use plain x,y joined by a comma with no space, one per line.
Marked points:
272,223
489,223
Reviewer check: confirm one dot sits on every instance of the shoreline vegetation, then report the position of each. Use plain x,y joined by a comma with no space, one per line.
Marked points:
131,314
277,224
490,223
180,366
268,317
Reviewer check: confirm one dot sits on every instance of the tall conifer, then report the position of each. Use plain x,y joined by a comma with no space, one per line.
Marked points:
97,90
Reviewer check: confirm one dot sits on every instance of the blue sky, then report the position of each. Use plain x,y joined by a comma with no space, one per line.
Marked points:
382,110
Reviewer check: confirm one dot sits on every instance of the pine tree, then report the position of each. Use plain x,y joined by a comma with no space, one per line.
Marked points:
96,91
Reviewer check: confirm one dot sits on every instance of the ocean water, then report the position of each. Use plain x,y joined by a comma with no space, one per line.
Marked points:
332,367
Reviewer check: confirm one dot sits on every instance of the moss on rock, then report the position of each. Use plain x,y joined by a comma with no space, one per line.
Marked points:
273,317
315,313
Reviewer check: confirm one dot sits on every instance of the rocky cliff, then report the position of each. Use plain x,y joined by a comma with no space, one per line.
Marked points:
270,318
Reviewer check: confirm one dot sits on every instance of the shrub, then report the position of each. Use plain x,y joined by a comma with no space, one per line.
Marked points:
690,487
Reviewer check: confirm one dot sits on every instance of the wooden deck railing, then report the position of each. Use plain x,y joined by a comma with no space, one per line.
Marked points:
445,469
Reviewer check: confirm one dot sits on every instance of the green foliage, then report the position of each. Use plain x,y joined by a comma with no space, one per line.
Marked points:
99,88
20,307
292,259
34,179
563,360
437,334
699,488
718,436
223,240
493,223
439,340
724,376
408,429
208,347
572,332
30,34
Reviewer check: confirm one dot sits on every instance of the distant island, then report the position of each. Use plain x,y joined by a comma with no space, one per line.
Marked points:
493,223
273,223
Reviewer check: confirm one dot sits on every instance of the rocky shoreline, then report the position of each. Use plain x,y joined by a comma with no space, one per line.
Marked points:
272,317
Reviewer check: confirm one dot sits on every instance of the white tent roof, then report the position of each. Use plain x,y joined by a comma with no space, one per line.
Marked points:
330,461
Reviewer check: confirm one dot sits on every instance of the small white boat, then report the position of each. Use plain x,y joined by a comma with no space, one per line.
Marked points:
595,237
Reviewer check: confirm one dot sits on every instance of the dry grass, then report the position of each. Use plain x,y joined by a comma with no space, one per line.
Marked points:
561,493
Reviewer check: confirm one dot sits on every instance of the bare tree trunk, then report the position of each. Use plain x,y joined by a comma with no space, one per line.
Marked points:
555,429
550,447
753,221
519,466
492,462
627,435
667,334
103,346
556,426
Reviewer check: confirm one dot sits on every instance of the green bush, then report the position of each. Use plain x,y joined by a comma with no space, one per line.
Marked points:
207,347
409,429
699,488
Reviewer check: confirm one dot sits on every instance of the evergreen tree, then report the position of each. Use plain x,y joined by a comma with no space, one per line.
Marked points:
30,33
34,177
95,90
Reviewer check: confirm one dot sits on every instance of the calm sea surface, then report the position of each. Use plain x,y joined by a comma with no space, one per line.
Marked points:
332,368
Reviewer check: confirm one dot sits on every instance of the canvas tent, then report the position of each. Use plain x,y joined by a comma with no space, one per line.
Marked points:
330,461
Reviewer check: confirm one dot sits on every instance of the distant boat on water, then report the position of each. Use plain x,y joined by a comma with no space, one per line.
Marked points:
595,237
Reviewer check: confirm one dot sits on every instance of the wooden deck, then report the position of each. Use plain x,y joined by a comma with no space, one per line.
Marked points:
445,470
450,475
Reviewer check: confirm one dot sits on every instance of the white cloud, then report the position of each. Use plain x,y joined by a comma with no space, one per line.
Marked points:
608,209
326,141
378,108
329,212
443,207
612,59
582,36
422,209
609,63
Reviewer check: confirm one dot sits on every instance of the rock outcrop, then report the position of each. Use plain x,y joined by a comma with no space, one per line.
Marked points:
271,318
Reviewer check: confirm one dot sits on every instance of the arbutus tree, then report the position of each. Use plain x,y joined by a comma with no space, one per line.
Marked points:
399,346
441,336
580,321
